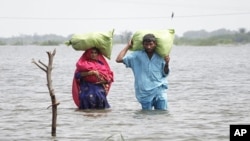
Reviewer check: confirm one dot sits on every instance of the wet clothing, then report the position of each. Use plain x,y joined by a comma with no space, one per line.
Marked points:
150,79
92,95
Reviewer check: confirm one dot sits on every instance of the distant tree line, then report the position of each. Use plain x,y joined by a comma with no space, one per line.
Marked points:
42,40
218,37
194,38
54,40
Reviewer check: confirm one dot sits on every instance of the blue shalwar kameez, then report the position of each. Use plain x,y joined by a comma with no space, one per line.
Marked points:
150,79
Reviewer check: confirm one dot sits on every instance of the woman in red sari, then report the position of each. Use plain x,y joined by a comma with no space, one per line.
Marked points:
93,79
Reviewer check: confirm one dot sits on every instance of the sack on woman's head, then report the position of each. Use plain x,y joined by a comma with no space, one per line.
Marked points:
101,40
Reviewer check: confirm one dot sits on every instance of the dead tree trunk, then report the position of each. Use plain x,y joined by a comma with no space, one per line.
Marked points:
48,69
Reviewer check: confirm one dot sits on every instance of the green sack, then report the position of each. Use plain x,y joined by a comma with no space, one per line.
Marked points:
164,38
101,40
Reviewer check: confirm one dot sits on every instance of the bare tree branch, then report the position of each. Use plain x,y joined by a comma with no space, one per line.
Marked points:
48,70
43,64
33,61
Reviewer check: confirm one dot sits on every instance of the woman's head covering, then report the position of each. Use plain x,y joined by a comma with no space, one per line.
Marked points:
85,63
87,54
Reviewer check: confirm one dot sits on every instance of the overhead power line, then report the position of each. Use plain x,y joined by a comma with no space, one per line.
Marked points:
123,18
213,15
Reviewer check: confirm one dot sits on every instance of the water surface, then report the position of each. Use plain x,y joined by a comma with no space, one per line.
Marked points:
208,91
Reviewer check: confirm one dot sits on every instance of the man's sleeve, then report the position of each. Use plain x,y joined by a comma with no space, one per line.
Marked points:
128,60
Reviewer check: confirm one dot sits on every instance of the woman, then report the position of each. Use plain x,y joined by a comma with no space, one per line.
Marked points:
93,79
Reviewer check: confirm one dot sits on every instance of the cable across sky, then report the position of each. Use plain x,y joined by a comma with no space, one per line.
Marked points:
123,18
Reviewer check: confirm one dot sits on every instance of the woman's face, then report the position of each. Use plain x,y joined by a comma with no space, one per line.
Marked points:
94,54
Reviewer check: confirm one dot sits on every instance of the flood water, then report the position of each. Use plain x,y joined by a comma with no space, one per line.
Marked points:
208,91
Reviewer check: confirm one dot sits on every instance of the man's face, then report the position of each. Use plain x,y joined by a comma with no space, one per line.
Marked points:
149,46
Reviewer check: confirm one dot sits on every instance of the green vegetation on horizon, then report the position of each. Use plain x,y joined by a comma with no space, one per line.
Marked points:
193,38
218,37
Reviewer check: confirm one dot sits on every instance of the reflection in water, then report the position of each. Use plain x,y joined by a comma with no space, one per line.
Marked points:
95,113
208,91
145,113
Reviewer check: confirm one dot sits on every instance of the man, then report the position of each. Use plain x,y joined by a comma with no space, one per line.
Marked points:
150,72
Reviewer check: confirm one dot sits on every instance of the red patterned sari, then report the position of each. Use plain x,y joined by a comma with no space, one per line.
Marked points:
83,86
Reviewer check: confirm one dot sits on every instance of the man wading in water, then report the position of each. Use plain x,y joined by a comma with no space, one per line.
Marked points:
150,72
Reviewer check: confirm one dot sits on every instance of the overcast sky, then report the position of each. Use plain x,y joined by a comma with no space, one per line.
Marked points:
64,17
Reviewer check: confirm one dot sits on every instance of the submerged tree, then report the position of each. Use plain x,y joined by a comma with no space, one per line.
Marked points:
48,69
